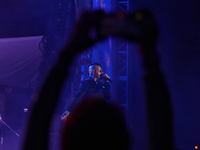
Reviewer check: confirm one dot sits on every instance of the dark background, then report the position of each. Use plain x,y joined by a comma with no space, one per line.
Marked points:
178,46
24,18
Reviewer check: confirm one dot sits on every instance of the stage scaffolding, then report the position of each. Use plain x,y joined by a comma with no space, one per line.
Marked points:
121,65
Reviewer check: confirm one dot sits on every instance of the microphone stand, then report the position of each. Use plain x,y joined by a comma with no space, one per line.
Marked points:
8,126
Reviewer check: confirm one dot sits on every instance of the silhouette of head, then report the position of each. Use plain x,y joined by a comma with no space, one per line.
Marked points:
96,125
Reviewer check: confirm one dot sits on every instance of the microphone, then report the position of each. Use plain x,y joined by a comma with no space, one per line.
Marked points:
102,77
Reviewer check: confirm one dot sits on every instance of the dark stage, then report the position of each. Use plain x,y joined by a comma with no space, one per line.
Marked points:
33,32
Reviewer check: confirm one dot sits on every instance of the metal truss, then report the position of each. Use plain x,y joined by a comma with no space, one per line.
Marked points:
123,5
121,66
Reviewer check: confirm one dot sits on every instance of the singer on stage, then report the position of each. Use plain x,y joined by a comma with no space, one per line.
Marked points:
91,87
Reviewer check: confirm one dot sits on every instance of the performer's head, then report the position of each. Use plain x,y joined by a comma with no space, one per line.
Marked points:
95,71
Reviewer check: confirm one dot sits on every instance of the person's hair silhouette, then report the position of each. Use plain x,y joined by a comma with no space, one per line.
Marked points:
96,125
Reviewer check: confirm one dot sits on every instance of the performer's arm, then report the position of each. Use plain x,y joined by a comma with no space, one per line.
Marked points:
76,100
108,93
79,95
